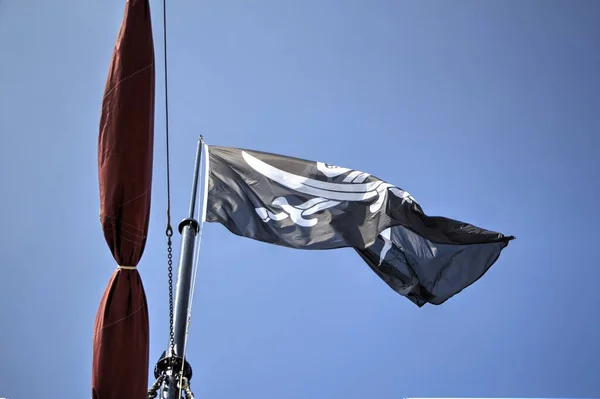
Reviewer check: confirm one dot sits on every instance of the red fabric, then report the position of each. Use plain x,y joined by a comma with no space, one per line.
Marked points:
125,150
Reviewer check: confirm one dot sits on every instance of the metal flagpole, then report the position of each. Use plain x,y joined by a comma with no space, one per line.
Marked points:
171,364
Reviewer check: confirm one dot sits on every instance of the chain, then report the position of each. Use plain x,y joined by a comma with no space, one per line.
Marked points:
169,233
152,392
186,389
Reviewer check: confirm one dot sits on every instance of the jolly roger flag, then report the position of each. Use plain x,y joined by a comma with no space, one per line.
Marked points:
312,205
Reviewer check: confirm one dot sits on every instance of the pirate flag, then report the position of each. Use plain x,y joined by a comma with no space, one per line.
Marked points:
313,205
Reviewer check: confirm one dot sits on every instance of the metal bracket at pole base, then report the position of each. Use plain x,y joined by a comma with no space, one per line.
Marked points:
173,364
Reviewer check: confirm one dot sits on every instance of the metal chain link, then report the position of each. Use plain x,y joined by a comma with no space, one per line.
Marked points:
169,233
153,391
187,389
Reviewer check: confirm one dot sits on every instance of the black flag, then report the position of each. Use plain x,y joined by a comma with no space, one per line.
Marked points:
312,205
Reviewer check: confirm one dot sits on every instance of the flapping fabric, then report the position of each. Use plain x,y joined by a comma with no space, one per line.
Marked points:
313,205
426,271
125,152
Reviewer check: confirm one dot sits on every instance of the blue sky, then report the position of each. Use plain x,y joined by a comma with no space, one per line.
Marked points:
486,111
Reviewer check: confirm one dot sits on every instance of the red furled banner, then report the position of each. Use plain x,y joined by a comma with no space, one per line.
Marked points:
125,152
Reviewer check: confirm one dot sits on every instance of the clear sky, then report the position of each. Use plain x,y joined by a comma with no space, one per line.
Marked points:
486,111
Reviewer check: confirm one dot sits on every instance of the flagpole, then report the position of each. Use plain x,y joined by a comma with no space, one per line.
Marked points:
171,364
